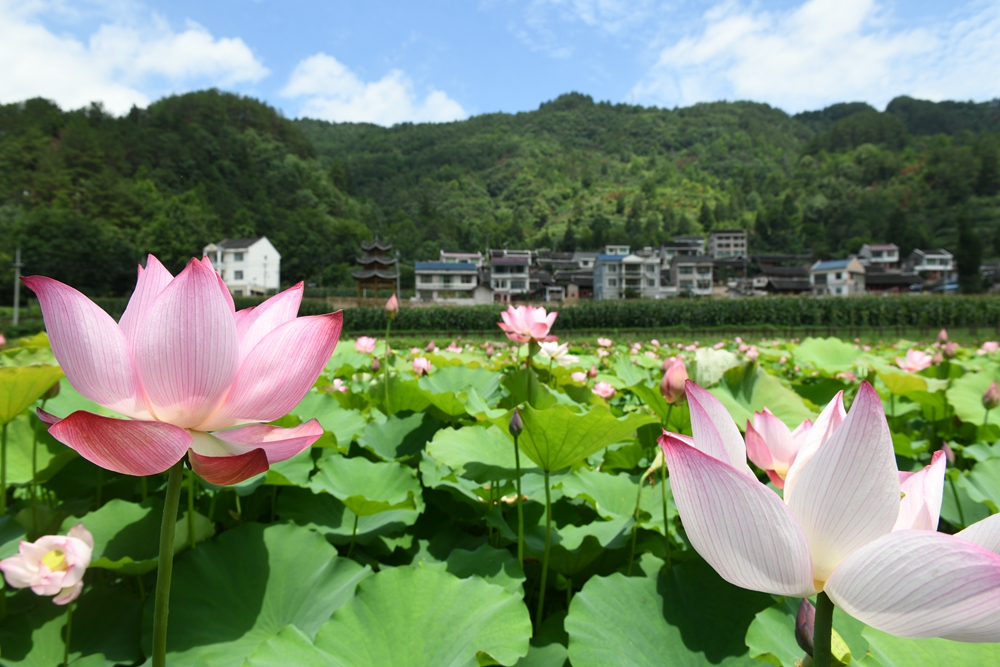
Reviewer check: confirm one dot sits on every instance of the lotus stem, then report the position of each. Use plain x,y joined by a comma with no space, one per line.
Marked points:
823,631
520,507
34,483
100,487
3,471
545,554
192,540
385,367
635,527
69,628
354,535
958,503
165,564
144,487
663,492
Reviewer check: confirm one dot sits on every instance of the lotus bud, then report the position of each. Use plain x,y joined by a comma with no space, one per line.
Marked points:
52,392
3,341
375,365
516,425
949,453
805,622
672,384
950,350
592,373
991,397
392,307
431,347
942,336
937,358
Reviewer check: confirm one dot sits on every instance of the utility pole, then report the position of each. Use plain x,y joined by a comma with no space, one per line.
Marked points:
17,283
398,294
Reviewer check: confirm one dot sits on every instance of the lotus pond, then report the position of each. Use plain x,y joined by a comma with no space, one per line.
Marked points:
393,539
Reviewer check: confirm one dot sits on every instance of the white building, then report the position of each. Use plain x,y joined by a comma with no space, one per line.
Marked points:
934,264
837,277
727,243
618,270
450,283
461,257
510,274
884,255
692,274
249,267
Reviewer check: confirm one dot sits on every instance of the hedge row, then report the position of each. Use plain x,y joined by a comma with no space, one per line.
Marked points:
867,311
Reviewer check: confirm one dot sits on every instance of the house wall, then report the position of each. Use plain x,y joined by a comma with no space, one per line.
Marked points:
255,270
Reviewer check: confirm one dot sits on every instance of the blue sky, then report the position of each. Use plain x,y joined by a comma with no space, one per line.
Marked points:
388,62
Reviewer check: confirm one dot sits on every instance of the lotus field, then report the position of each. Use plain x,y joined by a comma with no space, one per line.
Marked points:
195,485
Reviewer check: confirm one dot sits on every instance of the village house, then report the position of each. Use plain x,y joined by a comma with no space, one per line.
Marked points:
838,277
724,243
248,267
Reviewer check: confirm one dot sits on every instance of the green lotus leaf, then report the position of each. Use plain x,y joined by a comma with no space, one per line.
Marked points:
748,389
367,487
400,436
828,355
966,396
21,386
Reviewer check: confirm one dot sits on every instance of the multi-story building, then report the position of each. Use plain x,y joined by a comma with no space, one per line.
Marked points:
691,275
510,274
618,273
685,246
248,267
454,283
883,255
461,257
838,277
584,260
725,243
937,264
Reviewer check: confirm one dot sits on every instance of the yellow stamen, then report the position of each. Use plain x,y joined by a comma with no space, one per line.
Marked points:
55,560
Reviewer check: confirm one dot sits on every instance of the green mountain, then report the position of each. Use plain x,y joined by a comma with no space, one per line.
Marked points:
86,194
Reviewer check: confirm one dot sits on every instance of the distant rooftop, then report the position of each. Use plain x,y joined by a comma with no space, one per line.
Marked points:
237,244
832,264
610,258
444,266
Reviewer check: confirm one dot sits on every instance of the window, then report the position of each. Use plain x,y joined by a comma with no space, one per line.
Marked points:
612,282
238,257
237,292
650,283
687,284
425,279
839,276
467,280
446,280
517,284
612,268
237,275
686,270
840,290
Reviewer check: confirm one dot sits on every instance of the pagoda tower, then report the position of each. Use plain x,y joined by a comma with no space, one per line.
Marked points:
377,269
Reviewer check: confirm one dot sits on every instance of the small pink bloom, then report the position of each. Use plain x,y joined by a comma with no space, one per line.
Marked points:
654,343
604,342
392,307
915,361
783,361
773,447
415,350
604,390
3,341
527,323
991,397
592,373
691,348
338,385
579,376
949,350
601,353
990,346
365,345
847,375
752,353
453,348
942,336
431,347
866,348
421,365
52,565
737,340
674,379
186,367
651,354
719,345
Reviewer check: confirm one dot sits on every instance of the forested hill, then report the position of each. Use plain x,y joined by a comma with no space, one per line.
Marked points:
86,194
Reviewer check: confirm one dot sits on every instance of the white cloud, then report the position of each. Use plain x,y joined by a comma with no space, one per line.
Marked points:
119,65
333,92
827,51
545,22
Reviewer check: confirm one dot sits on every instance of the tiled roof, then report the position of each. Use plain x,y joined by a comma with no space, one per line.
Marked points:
445,266
832,265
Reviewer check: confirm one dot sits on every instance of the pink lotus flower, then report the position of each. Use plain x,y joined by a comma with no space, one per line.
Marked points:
846,526
52,565
915,361
604,342
524,324
675,376
579,376
988,346
719,345
654,343
453,348
942,336
421,365
752,353
183,363
365,344
772,446
3,341
392,307
338,385
415,350
601,353
604,390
